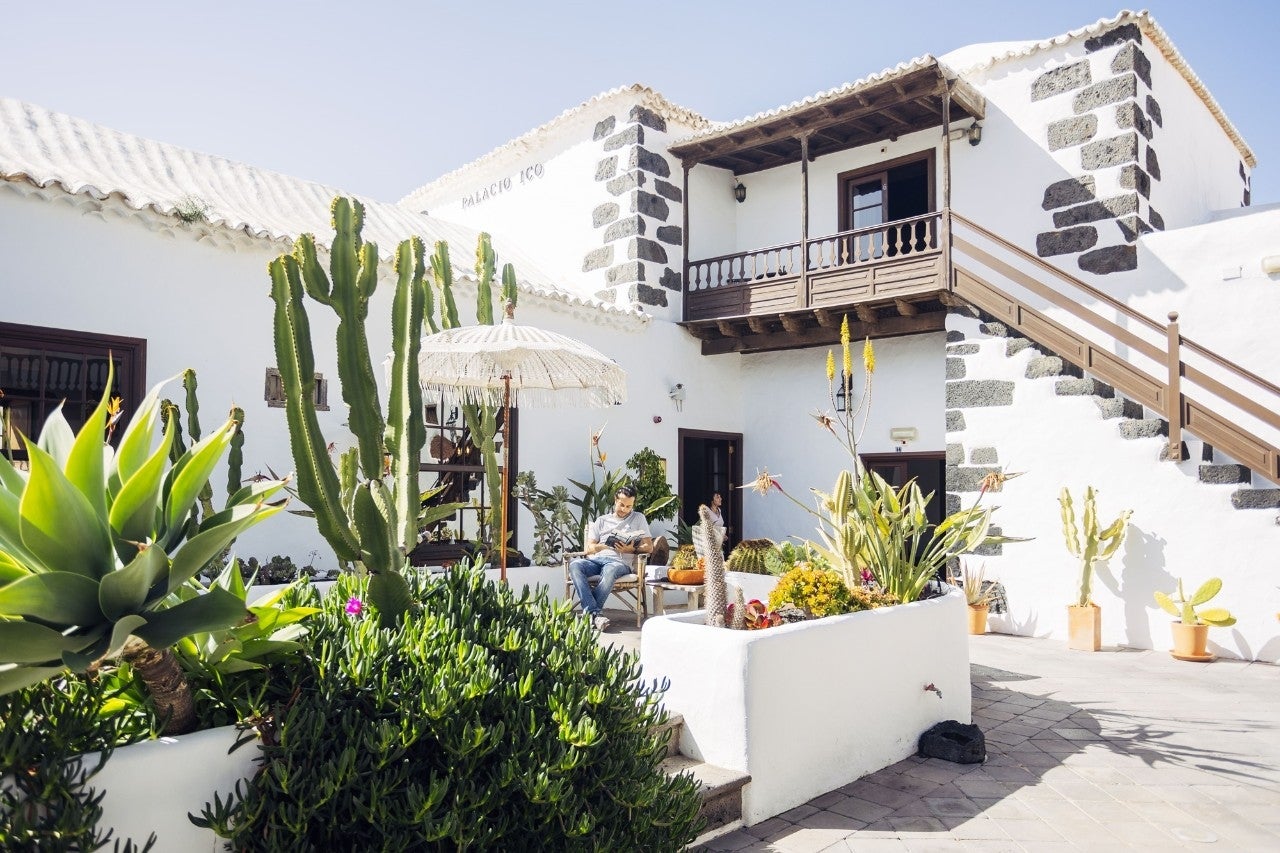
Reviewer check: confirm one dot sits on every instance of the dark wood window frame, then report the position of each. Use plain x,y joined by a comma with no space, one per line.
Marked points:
845,179
130,352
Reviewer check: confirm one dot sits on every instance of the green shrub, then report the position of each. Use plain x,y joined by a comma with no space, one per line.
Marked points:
485,721
820,592
47,802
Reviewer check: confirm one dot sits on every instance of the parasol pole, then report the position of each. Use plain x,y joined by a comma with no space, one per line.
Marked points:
506,458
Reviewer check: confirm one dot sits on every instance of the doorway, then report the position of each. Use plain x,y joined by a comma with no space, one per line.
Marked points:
711,462
929,470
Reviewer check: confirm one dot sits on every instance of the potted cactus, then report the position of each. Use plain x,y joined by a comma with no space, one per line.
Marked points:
1191,631
686,567
977,594
1088,545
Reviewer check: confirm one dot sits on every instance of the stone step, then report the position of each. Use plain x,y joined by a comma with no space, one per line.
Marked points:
1118,407
1256,499
1042,366
1224,474
1013,346
672,728
1076,387
1143,428
720,789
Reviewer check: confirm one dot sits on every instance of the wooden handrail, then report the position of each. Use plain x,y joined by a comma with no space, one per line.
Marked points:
857,232
1065,276
1165,392
746,254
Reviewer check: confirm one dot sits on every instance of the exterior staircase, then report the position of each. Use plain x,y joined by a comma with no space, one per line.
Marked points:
1133,420
720,788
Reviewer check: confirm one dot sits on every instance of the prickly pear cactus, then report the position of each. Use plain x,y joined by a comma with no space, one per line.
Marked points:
714,584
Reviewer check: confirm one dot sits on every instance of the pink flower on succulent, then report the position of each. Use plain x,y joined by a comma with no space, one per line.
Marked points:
355,606
866,576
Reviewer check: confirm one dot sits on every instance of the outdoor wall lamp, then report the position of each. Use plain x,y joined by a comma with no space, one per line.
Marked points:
677,395
842,396
975,133
740,192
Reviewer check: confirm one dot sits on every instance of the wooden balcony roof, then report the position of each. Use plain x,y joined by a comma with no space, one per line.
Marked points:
885,106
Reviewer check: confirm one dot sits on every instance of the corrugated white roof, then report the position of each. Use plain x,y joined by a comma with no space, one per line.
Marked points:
46,149
635,93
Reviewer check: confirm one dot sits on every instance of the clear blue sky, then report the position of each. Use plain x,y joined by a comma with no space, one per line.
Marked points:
378,97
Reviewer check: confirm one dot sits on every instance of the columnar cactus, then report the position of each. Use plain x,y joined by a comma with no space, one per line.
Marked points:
717,594
1096,543
379,526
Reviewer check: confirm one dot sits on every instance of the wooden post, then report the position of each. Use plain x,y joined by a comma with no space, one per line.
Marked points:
506,466
684,212
804,222
1173,404
946,187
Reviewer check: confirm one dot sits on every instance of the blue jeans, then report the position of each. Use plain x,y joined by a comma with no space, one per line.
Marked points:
608,568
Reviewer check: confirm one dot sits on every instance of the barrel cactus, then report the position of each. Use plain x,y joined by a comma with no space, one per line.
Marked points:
685,558
752,556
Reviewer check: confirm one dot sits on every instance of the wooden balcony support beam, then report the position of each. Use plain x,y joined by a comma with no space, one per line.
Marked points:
866,314
792,324
759,325
905,308
827,318
729,330
934,321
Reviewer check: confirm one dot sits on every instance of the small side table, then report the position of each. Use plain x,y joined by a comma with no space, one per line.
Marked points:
660,587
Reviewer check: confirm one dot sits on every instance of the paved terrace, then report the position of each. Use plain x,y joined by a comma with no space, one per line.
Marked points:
1121,749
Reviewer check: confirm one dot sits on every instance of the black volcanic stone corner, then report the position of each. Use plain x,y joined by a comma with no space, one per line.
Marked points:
1105,92
1153,110
604,127
647,295
633,135
1107,208
650,205
672,235
671,279
955,421
1110,259
1132,177
1127,32
644,249
1153,164
1067,241
1129,114
598,259
626,227
1062,79
1131,58
647,117
668,190
643,158
625,183
1132,227
604,214
955,454
968,478
1072,131
1069,191
630,271
607,168
1113,151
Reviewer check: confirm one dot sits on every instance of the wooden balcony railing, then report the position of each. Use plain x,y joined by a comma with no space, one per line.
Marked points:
858,247
1195,389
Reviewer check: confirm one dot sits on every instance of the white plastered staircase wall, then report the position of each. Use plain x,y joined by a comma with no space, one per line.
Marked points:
1180,526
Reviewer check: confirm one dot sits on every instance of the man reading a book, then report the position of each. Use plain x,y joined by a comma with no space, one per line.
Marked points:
609,537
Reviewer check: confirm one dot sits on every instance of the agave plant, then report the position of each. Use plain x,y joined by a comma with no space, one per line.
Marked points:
99,546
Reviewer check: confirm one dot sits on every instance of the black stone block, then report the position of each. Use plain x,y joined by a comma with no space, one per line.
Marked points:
952,740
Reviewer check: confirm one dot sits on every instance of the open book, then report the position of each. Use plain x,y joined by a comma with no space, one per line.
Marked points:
615,539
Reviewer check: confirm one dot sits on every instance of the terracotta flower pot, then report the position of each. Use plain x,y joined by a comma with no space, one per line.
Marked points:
686,576
1189,642
1084,627
978,618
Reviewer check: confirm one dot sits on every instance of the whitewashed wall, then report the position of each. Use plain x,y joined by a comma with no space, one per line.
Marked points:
1180,526
712,213
780,391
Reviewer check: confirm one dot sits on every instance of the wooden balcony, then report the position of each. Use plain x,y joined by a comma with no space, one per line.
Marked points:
890,280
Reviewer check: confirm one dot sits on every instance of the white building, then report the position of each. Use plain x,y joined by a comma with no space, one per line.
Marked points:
1074,190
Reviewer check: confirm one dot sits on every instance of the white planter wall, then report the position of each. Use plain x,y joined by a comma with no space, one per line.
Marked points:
806,708
152,786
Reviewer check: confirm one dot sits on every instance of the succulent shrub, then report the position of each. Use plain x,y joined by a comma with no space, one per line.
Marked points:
99,549
869,598
491,721
817,591
753,556
1093,542
653,492
1184,608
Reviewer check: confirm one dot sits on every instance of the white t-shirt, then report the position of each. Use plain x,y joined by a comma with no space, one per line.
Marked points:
633,525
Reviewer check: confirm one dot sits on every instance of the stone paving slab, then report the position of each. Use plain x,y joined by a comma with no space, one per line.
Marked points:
1115,750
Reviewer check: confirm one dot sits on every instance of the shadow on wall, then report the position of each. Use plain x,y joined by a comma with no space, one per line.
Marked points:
1142,573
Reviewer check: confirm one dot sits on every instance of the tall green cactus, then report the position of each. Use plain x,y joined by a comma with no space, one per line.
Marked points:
378,526
1095,544
172,420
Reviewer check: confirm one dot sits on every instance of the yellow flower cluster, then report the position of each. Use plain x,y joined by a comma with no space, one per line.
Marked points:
818,591
866,598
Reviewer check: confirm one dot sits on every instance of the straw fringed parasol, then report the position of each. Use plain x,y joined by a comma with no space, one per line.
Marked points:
509,365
